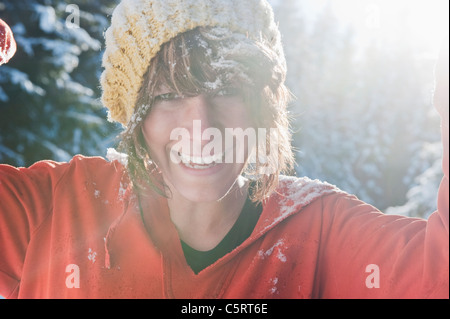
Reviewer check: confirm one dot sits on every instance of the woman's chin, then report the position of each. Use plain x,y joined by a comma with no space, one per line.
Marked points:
204,184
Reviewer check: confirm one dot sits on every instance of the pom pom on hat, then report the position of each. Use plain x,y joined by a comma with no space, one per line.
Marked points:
140,27
7,43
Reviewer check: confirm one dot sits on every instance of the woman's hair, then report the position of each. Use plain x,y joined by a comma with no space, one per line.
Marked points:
204,60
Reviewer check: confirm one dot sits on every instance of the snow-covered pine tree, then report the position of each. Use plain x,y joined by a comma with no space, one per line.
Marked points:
49,92
361,113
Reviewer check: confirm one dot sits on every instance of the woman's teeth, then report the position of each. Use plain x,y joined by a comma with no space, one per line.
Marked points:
196,166
200,162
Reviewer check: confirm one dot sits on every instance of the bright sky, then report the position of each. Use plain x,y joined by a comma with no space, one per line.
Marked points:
422,22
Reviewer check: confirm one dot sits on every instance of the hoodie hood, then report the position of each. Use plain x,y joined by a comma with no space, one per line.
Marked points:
291,196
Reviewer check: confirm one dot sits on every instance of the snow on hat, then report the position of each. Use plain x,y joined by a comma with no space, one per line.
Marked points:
140,27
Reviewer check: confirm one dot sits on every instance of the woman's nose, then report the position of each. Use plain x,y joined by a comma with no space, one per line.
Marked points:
199,111
199,119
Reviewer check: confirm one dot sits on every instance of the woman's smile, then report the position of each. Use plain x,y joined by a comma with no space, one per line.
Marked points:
192,162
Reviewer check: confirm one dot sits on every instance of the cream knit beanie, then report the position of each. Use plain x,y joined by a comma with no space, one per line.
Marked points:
140,27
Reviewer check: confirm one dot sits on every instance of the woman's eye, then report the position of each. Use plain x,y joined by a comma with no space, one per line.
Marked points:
168,97
228,92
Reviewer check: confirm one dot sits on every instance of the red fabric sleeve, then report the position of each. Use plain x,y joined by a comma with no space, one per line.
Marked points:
411,256
25,202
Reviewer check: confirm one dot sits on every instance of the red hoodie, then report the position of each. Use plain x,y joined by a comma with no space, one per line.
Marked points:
74,230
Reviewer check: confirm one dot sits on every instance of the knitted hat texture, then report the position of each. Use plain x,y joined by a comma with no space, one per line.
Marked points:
140,27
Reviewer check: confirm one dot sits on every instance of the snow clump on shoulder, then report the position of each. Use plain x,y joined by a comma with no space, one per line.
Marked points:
113,155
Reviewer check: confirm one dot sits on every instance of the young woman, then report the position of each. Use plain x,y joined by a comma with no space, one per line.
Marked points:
201,209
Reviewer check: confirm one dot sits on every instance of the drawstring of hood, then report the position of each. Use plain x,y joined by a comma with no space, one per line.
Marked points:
125,196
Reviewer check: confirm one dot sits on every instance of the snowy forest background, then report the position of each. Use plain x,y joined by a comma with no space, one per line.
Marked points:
363,113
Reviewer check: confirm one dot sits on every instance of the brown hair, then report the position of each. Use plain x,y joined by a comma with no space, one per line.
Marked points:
207,59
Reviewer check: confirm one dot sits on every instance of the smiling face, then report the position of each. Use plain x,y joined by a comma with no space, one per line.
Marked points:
189,165
204,98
